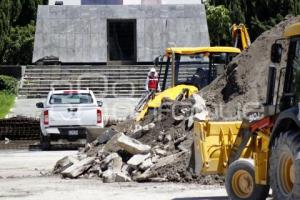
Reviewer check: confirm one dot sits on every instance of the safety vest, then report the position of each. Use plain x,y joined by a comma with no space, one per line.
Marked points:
152,84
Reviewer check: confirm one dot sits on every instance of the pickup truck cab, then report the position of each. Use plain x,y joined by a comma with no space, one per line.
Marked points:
67,114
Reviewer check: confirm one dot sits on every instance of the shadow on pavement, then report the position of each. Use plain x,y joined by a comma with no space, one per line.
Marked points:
201,198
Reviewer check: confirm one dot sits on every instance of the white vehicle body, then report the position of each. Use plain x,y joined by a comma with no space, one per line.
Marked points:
67,114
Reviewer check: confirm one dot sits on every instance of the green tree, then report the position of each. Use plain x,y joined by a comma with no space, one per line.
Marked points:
218,20
19,45
17,17
258,15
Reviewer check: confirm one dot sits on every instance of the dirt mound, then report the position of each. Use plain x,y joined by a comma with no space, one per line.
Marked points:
243,86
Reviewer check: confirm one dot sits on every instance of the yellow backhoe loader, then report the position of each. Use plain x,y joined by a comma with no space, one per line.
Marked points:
262,153
240,36
208,62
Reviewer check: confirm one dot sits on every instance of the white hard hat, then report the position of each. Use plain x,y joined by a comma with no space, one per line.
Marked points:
152,69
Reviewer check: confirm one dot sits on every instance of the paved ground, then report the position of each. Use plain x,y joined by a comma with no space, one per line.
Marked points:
25,175
113,108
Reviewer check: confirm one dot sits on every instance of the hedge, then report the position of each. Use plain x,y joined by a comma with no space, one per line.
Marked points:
8,84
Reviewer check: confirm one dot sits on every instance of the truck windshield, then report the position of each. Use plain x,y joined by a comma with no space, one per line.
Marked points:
74,98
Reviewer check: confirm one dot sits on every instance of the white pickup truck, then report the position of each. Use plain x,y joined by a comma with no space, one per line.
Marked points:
67,114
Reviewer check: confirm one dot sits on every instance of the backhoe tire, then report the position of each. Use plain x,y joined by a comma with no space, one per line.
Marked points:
240,182
284,169
45,142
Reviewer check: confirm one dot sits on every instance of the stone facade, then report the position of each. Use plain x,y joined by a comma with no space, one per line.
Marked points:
78,34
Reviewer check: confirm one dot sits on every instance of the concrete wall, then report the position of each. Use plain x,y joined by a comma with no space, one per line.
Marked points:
134,2
78,33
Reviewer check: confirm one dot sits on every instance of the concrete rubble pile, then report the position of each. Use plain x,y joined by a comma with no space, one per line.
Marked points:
156,151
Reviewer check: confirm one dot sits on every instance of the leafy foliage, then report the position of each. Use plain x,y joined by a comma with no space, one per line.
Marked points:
257,15
219,22
19,45
8,85
17,17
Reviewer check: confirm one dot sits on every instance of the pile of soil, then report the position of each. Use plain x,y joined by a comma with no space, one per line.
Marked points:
242,88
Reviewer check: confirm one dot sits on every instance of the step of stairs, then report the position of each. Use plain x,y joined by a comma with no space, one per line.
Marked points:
103,80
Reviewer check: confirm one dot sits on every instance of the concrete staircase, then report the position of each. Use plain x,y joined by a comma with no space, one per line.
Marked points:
105,80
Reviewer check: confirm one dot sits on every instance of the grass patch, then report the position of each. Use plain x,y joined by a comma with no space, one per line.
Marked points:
6,103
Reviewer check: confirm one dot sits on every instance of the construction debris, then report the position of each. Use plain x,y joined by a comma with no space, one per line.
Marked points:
159,149
139,152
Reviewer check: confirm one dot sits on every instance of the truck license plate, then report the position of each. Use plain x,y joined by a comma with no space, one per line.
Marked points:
73,132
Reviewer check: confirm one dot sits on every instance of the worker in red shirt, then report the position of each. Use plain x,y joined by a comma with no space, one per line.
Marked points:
152,81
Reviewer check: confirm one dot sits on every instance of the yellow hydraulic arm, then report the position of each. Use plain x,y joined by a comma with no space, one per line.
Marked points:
240,36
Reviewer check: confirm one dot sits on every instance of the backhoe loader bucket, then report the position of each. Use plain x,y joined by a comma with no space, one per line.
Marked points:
213,142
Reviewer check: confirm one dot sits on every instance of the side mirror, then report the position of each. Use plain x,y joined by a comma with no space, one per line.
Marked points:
39,105
100,103
156,61
276,53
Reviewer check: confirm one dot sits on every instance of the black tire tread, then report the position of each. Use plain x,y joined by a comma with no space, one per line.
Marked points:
260,191
287,141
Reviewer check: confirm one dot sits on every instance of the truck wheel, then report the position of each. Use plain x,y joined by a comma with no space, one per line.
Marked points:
45,142
285,166
240,182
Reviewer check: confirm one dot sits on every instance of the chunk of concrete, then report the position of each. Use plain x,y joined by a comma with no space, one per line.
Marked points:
146,164
144,176
109,158
148,127
132,146
122,177
168,138
112,144
106,136
136,160
160,152
116,164
64,163
78,168
109,176
167,160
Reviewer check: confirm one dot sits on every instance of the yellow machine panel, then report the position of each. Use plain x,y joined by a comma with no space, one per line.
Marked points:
213,142
170,93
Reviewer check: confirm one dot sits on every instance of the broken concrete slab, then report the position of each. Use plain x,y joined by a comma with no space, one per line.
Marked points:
144,176
78,168
132,146
96,169
109,158
167,160
116,164
106,136
112,144
122,177
64,163
141,130
167,138
146,164
109,176
136,160
160,152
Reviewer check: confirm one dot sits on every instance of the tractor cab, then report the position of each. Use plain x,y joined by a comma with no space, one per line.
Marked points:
183,71
196,66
